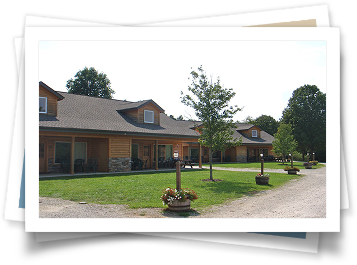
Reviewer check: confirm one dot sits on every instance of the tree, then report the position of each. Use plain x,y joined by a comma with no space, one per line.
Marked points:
90,82
249,120
284,142
306,112
211,104
267,123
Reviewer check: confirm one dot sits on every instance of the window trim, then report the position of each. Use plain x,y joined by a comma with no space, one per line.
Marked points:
44,112
153,116
256,133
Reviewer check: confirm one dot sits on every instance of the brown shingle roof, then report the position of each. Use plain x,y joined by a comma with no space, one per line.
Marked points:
79,112
85,113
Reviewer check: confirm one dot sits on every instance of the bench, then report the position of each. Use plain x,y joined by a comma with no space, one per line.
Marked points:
188,163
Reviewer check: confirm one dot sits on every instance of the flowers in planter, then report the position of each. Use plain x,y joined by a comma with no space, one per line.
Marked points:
314,162
307,165
264,175
289,168
170,195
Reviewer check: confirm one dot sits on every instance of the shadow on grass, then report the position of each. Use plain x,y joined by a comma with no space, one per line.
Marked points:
117,175
239,188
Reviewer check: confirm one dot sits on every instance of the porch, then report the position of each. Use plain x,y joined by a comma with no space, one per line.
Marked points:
70,153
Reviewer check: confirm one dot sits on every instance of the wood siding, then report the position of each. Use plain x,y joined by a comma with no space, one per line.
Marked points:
151,107
248,133
120,146
51,101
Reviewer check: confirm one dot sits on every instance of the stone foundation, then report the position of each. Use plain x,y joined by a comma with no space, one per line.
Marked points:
119,164
241,158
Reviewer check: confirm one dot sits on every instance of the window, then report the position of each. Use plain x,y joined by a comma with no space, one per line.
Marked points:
146,150
194,153
168,151
42,150
43,105
134,151
63,151
148,116
254,133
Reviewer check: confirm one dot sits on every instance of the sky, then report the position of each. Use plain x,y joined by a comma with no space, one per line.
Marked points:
263,74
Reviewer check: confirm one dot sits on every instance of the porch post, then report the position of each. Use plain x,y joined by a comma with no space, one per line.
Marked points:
72,155
156,154
200,157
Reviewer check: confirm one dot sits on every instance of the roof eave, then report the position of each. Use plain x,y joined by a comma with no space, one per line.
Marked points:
74,130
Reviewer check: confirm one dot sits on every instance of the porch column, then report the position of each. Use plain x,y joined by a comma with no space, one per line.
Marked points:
72,155
200,157
156,154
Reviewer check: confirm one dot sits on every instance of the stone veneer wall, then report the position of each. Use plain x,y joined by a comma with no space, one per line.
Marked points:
241,158
119,164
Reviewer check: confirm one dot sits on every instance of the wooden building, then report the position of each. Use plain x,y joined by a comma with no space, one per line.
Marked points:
115,132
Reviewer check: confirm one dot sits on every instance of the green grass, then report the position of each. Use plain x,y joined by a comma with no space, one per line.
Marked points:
143,190
256,165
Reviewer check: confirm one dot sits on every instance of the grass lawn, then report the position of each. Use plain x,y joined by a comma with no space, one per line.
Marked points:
270,165
143,190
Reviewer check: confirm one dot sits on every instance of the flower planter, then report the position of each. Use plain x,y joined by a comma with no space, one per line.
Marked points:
262,180
178,206
308,167
292,172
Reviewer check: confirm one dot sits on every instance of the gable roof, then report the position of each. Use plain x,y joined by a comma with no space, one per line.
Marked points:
265,139
85,113
138,105
59,96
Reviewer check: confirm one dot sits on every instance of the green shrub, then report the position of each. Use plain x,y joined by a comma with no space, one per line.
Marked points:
291,168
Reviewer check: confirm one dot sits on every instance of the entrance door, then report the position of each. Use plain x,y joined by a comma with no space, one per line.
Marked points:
146,155
42,158
103,156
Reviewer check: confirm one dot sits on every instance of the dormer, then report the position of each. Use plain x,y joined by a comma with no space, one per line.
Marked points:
48,99
147,112
250,131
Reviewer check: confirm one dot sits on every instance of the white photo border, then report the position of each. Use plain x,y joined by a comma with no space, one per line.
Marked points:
35,224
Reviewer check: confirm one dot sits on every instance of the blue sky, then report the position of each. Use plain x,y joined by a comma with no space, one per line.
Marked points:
262,73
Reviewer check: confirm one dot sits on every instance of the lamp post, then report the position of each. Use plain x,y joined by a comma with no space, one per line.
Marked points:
313,156
262,165
291,157
178,175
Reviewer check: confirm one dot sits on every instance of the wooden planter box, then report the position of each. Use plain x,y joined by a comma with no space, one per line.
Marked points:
178,206
262,180
292,172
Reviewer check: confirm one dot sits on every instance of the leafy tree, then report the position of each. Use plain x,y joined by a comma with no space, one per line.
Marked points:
249,120
306,112
211,104
267,123
284,142
90,82
179,118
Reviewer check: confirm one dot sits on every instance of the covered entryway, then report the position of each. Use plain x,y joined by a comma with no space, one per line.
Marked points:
58,154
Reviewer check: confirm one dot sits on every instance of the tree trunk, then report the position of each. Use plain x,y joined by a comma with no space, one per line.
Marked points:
210,163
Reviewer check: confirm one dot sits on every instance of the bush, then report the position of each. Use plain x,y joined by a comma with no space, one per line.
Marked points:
291,168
